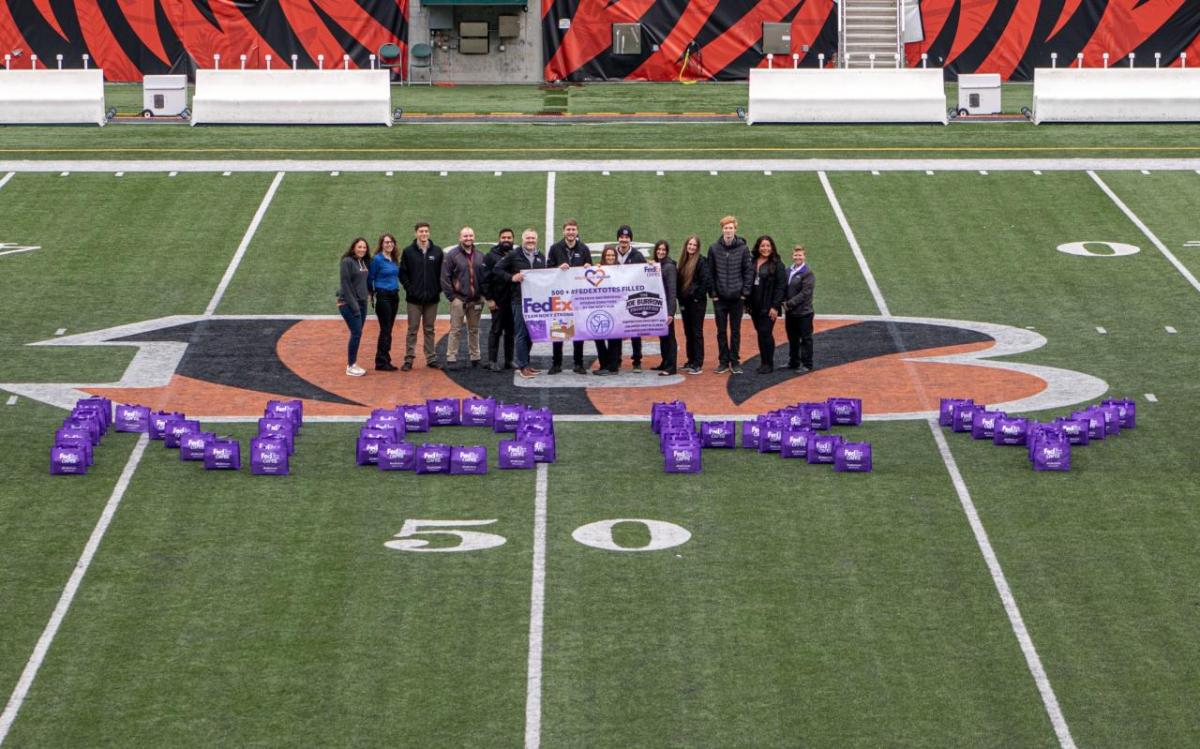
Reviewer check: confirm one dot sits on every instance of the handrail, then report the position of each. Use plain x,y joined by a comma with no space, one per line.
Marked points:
900,14
841,21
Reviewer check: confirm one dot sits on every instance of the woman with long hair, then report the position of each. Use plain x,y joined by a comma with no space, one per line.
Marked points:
383,282
766,298
692,284
608,352
666,344
352,298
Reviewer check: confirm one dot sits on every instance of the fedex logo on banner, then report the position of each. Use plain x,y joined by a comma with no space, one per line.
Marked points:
552,304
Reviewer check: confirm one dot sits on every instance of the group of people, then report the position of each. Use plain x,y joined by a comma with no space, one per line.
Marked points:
735,277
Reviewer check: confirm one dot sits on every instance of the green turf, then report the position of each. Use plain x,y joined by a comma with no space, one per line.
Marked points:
808,608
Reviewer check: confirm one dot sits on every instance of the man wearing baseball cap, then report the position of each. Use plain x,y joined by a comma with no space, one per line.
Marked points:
626,255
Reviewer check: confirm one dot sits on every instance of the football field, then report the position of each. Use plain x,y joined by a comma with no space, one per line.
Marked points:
952,597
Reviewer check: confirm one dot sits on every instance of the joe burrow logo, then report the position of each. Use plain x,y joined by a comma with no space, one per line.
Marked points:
229,366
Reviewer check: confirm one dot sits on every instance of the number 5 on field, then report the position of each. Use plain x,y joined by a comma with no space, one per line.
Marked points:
468,540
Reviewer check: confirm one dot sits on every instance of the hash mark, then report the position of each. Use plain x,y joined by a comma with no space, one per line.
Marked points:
65,174
1152,397
119,174
226,174
1038,172
712,173
60,331
929,172
659,173
1145,171
172,174
766,172
874,172
605,173
442,174
1100,330
12,400
498,174
983,172
1171,329
331,174
387,174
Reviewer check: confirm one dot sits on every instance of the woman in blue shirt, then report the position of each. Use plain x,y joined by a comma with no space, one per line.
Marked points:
384,283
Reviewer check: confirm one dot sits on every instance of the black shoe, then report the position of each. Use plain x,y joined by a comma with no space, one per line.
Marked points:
735,368
579,369
509,365
637,367
603,372
386,367
474,364
666,372
765,369
450,366
555,369
434,364
722,369
407,367
658,367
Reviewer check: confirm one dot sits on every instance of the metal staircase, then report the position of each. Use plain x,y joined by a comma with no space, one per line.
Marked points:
870,27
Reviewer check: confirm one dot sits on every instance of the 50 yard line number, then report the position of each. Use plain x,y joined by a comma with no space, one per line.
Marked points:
414,535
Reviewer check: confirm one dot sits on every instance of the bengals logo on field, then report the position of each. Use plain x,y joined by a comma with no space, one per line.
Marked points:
228,366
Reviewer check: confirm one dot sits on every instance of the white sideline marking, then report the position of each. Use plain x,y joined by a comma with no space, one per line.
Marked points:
551,179
68,595
854,246
241,250
1010,604
1032,660
60,331
537,608
1152,397
1101,330
12,400
1187,274
1171,329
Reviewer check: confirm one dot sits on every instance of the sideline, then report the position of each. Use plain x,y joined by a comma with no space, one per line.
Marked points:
537,608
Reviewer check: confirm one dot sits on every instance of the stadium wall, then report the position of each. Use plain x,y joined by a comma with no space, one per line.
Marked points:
718,39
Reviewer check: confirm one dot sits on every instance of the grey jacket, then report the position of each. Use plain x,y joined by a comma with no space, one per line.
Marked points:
353,288
798,298
462,275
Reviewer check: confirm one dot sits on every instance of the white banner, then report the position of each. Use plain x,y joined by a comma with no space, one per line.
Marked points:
582,304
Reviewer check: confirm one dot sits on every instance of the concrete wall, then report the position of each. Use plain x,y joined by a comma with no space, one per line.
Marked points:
519,62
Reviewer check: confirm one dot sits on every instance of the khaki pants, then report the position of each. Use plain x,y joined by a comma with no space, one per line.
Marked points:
423,315
471,312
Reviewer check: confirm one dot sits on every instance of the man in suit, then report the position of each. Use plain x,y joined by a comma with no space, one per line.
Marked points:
798,312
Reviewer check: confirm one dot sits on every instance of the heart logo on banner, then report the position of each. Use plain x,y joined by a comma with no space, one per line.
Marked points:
595,276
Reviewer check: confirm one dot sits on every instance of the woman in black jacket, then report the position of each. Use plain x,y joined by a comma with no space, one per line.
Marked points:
798,304
766,298
667,344
693,285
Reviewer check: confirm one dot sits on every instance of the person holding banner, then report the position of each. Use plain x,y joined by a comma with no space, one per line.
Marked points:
512,269
667,344
627,254
766,299
498,295
569,252
798,308
732,272
608,351
693,283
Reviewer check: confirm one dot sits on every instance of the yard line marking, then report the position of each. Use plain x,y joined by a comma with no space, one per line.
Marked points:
1101,330
1191,244
1171,329
60,331
12,400
1152,397
551,179
1187,274
241,250
1032,660
21,691
537,606
854,246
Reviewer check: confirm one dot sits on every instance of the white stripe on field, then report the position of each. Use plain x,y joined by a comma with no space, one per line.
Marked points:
68,595
1100,330
241,250
854,246
551,178
6,178
537,605
60,331
1171,329
1032,660
1146,230
1152,397
12,400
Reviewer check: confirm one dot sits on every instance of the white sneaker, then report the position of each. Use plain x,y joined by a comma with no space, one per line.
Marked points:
355,371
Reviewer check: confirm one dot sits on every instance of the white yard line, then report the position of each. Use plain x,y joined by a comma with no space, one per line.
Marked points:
854,246
68,595
1187,274
6,178
241,250
1032,660
445,167
537,607
551,178
1049,700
